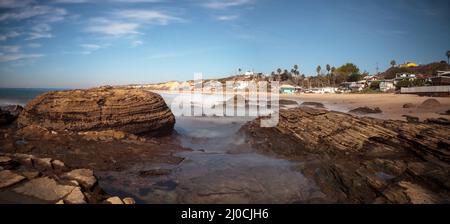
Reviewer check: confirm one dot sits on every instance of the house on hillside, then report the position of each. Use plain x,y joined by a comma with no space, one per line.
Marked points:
442,78
387,85
404,76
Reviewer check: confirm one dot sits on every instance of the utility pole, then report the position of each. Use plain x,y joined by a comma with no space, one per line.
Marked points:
378,69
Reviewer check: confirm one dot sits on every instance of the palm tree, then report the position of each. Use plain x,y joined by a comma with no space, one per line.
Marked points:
448,57
328,67
333,70
240,70
318,69
393,63
279,74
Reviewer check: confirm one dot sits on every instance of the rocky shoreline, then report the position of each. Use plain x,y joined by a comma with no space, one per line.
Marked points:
60,151
361,160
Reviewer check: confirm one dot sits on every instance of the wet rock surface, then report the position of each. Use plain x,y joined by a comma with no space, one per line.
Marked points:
23,182
74,159
129,110
361,160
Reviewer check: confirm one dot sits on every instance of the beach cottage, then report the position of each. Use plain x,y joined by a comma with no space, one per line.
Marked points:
288,89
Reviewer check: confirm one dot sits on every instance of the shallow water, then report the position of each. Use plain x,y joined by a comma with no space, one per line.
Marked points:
20,96
222,168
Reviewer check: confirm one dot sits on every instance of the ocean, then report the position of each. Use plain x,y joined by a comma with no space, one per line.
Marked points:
20,96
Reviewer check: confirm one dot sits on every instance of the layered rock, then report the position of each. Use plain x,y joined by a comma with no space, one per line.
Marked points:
130,110
52,182
362,160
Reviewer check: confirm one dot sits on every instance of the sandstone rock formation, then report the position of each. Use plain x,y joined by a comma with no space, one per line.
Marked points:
130,110
362,160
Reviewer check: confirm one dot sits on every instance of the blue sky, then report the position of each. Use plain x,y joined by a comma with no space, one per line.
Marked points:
84,43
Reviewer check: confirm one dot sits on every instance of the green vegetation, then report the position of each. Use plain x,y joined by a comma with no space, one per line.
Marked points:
375,85
408,83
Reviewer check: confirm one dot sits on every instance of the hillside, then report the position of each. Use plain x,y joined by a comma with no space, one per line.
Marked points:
428,70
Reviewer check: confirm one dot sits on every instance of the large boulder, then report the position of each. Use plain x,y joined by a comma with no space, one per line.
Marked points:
124,109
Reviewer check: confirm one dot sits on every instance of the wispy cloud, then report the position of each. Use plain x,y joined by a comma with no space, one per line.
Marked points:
40,31
147,16
227,17
18,56
225,4
46,13
14,3
70,1
112,27
138,1
10,48
8,35
136,43
90,48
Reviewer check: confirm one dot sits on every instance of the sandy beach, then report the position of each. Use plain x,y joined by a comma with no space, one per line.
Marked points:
390,104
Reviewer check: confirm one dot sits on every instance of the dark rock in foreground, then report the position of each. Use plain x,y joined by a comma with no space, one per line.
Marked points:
129,110
9,114
313,104
362,160
366,110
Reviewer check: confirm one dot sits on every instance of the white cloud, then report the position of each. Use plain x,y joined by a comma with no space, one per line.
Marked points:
39,31
47,13
225,4
91,46
10,48
137,43
8,35
18,56
112,28
147,16
227,17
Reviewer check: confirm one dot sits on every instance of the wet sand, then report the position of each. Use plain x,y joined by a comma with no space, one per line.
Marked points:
390,104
